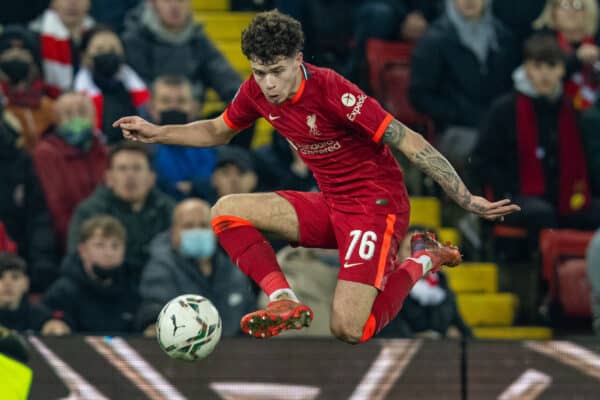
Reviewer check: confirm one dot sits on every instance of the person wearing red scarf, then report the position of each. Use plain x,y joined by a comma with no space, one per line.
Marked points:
531,147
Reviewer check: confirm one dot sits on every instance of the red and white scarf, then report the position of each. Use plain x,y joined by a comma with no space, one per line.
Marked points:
56,51
133,83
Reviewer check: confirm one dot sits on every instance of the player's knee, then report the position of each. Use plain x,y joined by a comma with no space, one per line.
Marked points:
224,206
346,330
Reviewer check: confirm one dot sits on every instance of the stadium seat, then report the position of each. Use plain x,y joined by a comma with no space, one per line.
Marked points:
574,289
389,75
211,5
224,26
487,309
473,278
425,211
557,247
513,333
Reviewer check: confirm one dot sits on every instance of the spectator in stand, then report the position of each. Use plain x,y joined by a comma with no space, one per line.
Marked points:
115,88
16,311
61,28
23,86
71,161
531,148
575,24
95,292
462,63
178,166
280,167
234,173
430,310
112,12
188,259
130,196
593,264
162,38
23,208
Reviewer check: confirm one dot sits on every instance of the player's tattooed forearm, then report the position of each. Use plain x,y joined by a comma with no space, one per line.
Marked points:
430,161
394,134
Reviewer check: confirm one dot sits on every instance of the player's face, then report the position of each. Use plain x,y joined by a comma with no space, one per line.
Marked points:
278,81
470,9
545,77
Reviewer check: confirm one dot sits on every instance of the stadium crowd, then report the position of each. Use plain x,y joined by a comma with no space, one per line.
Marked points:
97,233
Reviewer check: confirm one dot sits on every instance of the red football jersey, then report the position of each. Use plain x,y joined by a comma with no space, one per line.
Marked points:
337,131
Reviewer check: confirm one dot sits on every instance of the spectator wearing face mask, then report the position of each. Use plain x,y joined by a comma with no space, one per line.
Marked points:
177,166
95,292
22,85
70,161
115,88
187,259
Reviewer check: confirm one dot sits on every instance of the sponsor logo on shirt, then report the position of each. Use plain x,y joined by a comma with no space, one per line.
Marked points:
356,110
319,148
348,99
311,121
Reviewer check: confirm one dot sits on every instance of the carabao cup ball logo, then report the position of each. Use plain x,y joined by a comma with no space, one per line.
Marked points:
348,99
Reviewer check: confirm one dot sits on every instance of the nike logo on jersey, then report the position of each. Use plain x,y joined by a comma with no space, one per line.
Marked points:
346,265
274,117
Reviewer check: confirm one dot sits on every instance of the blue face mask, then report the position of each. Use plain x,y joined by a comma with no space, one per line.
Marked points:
198,243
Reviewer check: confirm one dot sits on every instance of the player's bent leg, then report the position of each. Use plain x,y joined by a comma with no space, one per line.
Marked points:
351,308
237,220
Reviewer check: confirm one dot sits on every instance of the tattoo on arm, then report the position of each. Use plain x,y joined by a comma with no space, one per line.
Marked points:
430,161
394,134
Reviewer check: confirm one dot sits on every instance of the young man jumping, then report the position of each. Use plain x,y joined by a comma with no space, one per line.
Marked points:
344,137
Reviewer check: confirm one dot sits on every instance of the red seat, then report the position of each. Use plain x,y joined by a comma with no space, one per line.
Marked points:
389,75
574,288
563,266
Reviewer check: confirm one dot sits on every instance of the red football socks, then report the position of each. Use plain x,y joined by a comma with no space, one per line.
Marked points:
388,303
248,249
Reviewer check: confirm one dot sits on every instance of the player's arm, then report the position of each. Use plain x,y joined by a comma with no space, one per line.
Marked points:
204,133
430,161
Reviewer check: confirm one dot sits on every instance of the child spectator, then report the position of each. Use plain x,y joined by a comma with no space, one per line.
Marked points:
16,312
95,293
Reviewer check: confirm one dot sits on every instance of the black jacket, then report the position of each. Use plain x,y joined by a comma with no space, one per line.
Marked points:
89,306
447,81
27,317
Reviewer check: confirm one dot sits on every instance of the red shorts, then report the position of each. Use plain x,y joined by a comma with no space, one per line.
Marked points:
368,243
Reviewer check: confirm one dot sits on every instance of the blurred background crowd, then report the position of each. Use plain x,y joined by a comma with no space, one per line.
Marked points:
96,233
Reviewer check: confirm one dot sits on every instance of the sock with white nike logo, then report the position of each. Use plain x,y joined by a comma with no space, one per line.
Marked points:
425,262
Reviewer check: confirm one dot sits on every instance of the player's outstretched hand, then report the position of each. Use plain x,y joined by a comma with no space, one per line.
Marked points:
492,211
137,128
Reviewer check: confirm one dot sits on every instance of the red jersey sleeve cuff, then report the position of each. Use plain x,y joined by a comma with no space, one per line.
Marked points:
229,123
382,127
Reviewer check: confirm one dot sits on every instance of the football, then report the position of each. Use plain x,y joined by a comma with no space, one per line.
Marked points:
188,327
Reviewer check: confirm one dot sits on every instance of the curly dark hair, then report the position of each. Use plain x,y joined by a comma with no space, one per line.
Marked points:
272,35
